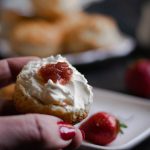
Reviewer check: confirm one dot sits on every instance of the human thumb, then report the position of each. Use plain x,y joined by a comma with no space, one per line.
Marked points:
37,131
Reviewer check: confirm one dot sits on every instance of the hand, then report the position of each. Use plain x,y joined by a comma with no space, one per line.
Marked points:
31,131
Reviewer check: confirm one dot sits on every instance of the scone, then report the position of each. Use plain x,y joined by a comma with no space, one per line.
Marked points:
8,19
92,32
36,37
56,9
53,86
7,92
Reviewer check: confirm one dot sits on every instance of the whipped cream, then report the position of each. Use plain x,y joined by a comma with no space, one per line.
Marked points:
76,91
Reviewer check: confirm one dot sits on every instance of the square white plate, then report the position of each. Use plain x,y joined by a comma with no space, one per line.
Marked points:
133,111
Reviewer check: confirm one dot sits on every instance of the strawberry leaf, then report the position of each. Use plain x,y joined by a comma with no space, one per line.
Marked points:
123,125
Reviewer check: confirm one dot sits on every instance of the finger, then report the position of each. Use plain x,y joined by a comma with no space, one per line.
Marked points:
9,69
24,130
77,140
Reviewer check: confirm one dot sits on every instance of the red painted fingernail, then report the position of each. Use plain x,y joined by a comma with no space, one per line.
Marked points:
67,131
83,134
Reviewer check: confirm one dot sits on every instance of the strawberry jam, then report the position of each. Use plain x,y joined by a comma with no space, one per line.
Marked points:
56,72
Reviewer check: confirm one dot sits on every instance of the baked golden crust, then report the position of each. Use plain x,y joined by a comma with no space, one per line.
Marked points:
7,92
90,33
36,37
56,9
26,104
34,32
8,19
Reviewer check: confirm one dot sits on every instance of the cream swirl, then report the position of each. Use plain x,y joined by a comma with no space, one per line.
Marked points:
76,91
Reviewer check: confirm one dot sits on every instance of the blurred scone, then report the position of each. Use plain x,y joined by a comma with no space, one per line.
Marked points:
9,18
56,9
36,37
53,86
92,32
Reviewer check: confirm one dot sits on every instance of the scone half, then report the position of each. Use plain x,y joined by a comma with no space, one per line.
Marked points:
68,97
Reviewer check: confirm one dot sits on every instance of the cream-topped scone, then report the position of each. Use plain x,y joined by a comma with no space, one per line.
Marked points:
53,86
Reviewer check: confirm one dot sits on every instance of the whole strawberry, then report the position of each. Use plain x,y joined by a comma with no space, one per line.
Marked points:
137,78
101,128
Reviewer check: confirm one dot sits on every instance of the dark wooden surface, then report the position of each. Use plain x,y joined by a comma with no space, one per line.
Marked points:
109,74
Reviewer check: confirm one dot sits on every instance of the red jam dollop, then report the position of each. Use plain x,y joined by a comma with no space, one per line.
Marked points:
56,72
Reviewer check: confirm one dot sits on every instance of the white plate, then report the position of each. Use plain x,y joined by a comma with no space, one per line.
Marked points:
133,111
126,46
123,48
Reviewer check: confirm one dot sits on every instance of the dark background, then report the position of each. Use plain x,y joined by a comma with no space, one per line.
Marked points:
126,12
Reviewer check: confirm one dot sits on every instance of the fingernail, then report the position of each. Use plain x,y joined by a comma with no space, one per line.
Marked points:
67,131
83,134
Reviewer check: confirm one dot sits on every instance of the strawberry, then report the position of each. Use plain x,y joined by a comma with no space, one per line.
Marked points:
101,128
137,78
